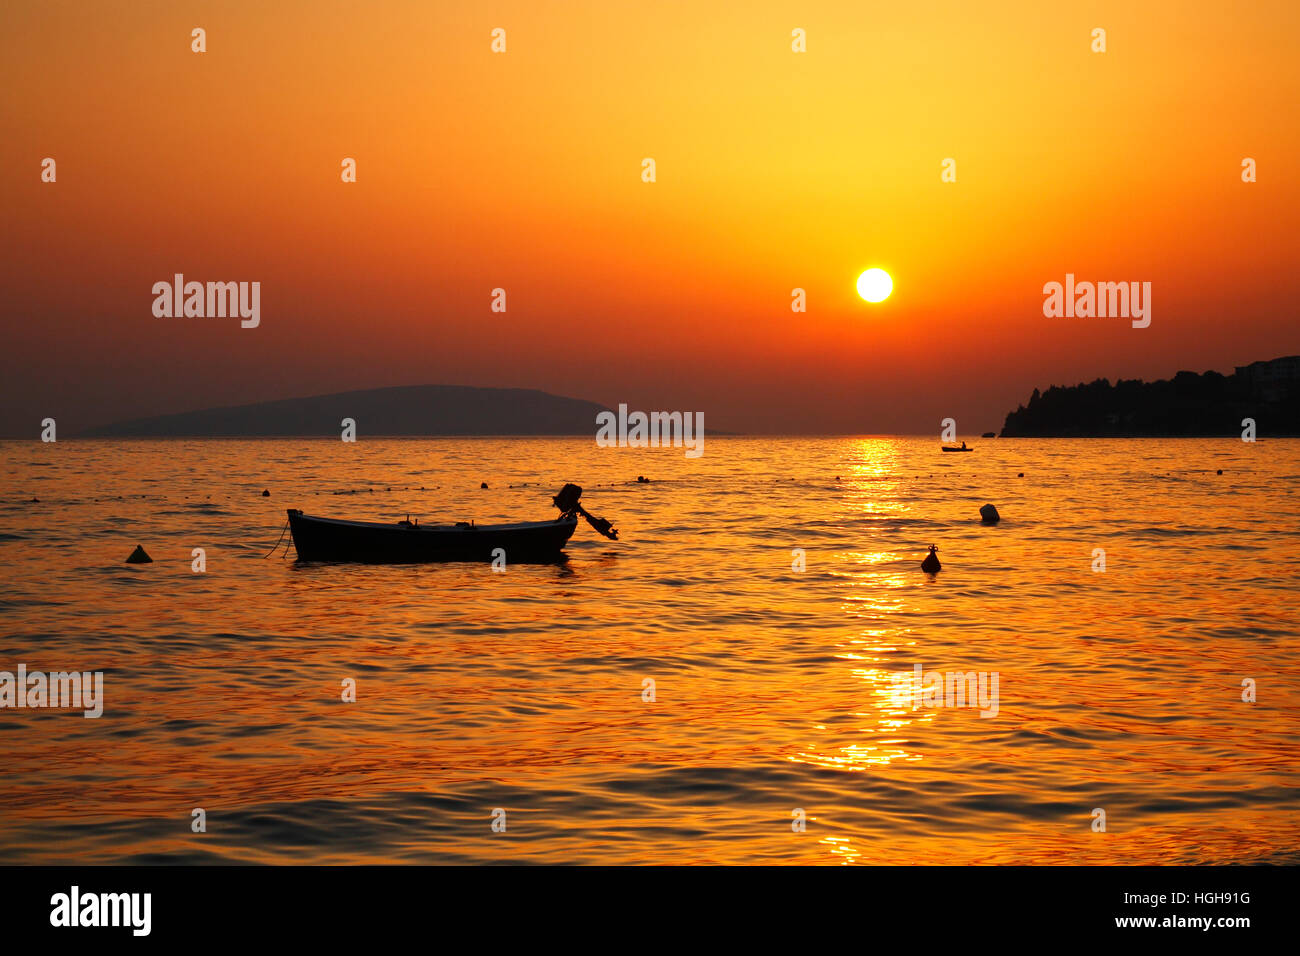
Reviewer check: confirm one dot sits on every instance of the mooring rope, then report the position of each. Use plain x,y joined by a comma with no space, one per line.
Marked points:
278,540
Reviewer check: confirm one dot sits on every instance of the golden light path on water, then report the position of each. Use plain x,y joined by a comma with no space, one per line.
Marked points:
872,595
775,689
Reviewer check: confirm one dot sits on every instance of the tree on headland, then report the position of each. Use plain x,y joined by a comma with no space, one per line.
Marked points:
1188,405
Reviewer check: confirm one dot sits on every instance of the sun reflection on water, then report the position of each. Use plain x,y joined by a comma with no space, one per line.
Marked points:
842,849
872,594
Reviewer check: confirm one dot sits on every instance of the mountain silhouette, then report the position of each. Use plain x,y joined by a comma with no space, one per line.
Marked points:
403,410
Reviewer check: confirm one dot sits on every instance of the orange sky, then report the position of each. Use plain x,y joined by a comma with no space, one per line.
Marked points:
522,170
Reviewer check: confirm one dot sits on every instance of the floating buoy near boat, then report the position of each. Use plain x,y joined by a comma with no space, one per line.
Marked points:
265,493
989,515
931,563
139,556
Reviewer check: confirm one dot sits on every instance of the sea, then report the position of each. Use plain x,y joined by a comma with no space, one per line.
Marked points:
757,671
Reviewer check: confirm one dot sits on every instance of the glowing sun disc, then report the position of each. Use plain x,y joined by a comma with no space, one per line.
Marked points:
874,285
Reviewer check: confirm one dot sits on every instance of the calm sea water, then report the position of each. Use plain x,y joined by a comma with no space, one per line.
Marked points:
775,690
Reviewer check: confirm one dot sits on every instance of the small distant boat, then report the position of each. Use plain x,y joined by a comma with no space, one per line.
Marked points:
962,448
989,435
374,542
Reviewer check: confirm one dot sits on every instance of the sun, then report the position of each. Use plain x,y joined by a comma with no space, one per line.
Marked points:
874,285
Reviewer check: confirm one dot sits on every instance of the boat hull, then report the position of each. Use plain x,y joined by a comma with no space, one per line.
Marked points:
366,542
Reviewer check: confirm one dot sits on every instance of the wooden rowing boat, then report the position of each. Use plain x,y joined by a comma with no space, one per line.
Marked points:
372,542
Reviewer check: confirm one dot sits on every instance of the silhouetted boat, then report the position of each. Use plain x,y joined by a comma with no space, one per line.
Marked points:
946,448
373,542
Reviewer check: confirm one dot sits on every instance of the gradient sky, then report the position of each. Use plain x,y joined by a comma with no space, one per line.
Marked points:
522,170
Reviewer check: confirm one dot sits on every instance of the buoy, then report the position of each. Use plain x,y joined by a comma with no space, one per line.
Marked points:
483,485
642,480
139,556
1021,475
1219,472
37,501
989,515
931,563
265,493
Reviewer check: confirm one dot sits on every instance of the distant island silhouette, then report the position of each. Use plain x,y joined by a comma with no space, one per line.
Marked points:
408,410
1189,405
